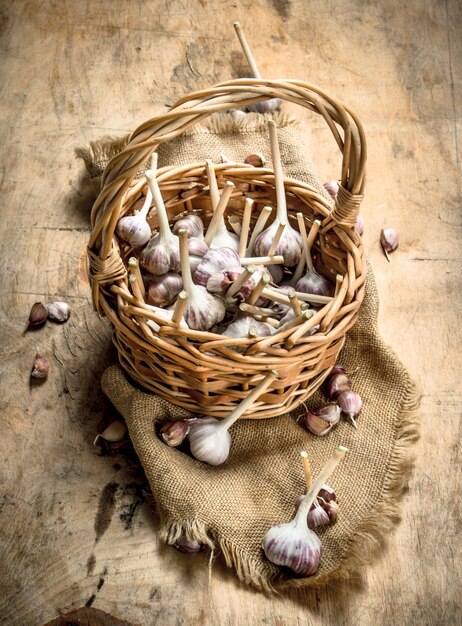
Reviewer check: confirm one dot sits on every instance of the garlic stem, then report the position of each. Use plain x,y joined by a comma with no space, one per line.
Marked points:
143,212
301,264
180,306
246,50
326,471
275,259
277,236
132,279
188,284
301,226
240,280
292,295
296,321
259,226
256,291
306,468
235,224
245,307
213,185
279,296
249,400
278,174
134,268
219,212
245,226
164,226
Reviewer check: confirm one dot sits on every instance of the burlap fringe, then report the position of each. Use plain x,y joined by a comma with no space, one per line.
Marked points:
365,544
97,154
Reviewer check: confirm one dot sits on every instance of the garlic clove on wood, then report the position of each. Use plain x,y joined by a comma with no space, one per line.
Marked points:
41,367
37,316
389,240
115,432
58,311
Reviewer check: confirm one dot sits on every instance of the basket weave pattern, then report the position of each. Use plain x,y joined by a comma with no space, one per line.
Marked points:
201,371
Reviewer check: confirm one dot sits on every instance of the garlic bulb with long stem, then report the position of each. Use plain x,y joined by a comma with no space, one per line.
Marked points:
241,326
203,310
290,243
258,228
293,544
214,261
311,282
222,237
134,229
267,106
209,438
161,255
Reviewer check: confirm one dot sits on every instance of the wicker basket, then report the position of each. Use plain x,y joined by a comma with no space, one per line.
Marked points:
200,371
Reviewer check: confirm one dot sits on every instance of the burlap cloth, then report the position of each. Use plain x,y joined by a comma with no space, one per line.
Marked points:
230,507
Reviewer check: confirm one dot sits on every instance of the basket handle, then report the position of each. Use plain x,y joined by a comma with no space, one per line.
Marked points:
193,108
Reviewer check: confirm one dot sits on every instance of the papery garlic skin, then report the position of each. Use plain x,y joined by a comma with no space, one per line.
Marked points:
192,224
188,546
203,310
314,284
208,442
290,546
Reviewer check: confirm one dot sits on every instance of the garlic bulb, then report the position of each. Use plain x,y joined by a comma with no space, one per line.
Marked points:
290,242
241,326
166,314
161,255
58,311
277,273
134,229
197,248
293,544
192,224
203,310
312,282
215,261
209,438
217,235
163,290
220,282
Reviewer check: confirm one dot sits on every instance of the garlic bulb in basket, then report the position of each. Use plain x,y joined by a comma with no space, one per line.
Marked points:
163,290
134,229
215,261
311,282
217,235
192,224
203,310
161,255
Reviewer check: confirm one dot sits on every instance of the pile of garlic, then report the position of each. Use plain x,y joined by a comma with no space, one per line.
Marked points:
246,285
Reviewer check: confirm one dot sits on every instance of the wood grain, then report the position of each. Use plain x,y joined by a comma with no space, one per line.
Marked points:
72,71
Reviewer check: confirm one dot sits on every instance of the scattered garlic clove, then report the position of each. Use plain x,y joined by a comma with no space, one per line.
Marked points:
257,160
359,226
115,432
332,188
351,404
389,240
40,367
317,516
58,311
327,493
338,384
174,433
188,546
38,315
321,421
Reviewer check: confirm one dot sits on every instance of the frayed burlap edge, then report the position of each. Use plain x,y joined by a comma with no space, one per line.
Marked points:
367,540
97,154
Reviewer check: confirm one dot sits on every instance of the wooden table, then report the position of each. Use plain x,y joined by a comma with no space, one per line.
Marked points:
72,71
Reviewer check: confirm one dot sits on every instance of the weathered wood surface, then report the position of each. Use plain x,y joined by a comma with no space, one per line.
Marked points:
72,71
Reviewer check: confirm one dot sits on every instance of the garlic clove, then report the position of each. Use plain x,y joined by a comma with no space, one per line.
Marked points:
359,226
321,421
257,160
188,546
115,432
38,315
317,516
331,508
58,311
174,433
338,384
327,493
389,240
332,188
351,404
40,367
